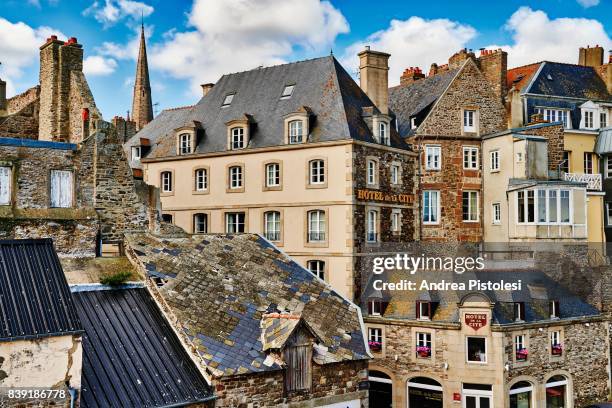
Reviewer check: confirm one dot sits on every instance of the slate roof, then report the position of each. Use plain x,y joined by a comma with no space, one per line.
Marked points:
520,77
537,291
35,298
407,101
603,145
221,286
131,356
321,84
570,81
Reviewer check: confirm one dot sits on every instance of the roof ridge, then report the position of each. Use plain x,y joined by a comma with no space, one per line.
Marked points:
526,65
277,65
178,108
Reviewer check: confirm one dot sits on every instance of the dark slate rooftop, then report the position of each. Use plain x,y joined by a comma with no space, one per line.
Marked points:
604,141
35,298
570,81
537,291
410,100
321,85
131,356
230,292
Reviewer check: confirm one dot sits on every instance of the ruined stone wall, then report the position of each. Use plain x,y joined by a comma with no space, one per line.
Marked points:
18,102
79,98
331,383
22,119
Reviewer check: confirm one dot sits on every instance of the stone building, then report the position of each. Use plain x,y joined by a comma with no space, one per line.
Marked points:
445,115
296,152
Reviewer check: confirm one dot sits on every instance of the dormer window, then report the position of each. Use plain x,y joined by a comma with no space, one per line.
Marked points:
287,91
554,309
297,125
375,308
383,133
519,311
588,119
228,100
296,131
136,153
413,123
184,143
238,138
423,310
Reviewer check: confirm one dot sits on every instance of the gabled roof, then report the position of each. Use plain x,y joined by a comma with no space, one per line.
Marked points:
520,77
410,100
35,299
131,355
221,287
569,81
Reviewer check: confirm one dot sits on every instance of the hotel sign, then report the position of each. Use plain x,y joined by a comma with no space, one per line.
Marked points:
476,320
375,195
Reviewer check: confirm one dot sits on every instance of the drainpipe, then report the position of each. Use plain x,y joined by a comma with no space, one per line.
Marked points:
73,396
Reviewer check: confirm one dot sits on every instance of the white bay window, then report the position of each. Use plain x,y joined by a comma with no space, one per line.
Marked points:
544,206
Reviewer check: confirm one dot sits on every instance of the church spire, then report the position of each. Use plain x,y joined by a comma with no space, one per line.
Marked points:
142,107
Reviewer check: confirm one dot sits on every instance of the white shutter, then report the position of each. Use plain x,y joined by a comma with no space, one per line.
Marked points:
61,188
55,187
5,185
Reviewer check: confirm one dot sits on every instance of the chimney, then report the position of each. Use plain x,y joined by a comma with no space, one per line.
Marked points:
3,107
591,57
374,77
410,75
457,59
206,88
608,72
433,70
494,66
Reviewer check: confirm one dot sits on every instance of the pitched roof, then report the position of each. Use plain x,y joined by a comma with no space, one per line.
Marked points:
221,286
570,81
520,77
35,298
321,84
603,145
131,356
409,100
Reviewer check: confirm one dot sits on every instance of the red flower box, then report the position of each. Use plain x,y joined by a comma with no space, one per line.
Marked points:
375,346
521,355
423,351
557,350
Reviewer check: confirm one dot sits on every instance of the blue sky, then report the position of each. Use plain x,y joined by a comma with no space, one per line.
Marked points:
196,41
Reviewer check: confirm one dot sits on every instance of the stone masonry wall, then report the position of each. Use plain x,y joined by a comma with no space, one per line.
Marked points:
22,119
18,102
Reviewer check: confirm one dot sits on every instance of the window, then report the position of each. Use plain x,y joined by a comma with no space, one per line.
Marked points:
556,392
227,101
526,206
556,348
521,395
565,205
235,177
234,222
564,166
298,359
396,220
423,310
542,206
555,115
62,188
588,163
476,349
496,213
603,119
519,157
167,218
317,268
423,345
201,180
296,131
375,308
316,226
200,223
470,158
383,133
272,175
372,170
371,235
287,91
608,166
413,123
470,206
237,138
432,157
519,311
272,226
553,307
553,206
520,347
469,120
375,338
609,213
5,185
431,207
317,171
395,174
588,119
136,153
184,143
495,160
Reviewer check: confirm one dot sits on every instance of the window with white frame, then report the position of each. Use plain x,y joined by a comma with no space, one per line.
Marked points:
184,143
432,157
470,157
588,162
237,137
5,185
431,207
287,91
476,349
555,338
234,222
470,206
200,223
201,180
62,188
423,310
235,177
603,119
413,123
395,174
136,152
317,171
372,170
396,220
589,123
520,347
553,206
372,223
317,267
469,120
272,175
609,214
375,307
494,165
166,181
608,169
555,115
296,131
553,309
564,166
423,345
496,213
375,336
383,133
519,311
272,225
316,226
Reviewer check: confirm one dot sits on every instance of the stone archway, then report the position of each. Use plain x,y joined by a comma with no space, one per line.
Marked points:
424,392
381,389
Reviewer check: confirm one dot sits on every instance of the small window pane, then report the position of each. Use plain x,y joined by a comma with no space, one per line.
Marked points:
200,223
287,91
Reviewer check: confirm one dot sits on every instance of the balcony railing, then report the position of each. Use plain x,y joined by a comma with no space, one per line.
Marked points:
593,180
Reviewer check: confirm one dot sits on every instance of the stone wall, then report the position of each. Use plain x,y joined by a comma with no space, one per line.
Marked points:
331,383
18,102
22,119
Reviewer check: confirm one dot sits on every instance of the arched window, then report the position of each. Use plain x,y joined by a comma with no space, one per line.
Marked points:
556,392
521,395
166,181
296,131
201,180
272,229
200,223
424,392
316,226
381,389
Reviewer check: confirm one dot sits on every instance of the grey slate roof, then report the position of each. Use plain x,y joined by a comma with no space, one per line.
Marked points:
321,84
229,292
603,145
35,298
131,356
410,100
569,80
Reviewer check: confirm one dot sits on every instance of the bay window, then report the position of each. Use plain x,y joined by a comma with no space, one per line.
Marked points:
551,205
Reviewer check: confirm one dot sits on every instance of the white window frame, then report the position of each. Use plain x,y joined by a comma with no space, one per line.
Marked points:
238,137
372,226
603,119
556,115
486,350
198,220
320,224
555,313
430,208
227,101
287,91
471,216
425,313
166,181
520,342
201,179
608,169
6,181
589,118
469,120
555,338
433,157
273,175
496,213
375,334
61,195
372,169
136,153
472,161
494,165
232,219
608,213
184,143
272,219
396,220
518,309
317,267
395,174
589,158
536,206
296,131
383,133
376,307
236,178
316,168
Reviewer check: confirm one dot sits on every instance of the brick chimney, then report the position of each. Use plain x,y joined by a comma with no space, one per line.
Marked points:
2,98
374,77
494,66
591,57
410,75
206,88
457,58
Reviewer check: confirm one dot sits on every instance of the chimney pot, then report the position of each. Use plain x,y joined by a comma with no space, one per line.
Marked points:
206,88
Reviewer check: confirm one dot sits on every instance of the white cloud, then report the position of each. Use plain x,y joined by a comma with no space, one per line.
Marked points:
112,11
234,35
99,66
413,42
536,37
124,51
19,50
588,3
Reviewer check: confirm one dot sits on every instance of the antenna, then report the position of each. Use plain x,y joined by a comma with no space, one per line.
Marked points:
155,108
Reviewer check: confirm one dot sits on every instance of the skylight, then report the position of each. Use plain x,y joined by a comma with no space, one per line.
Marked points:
228,100
287,91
